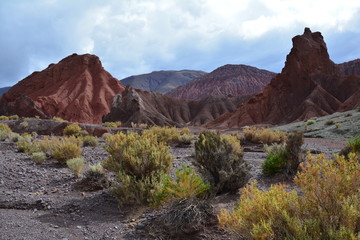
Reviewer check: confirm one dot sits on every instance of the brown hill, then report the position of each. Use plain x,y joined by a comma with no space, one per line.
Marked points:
226,80
76,89
350,68
161,81
138,106
310,85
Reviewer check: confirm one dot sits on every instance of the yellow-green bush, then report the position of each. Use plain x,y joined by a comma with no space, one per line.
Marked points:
112,124
24,124
328,208
354,144
38,157
24,144
91,141
76,165
66,149
221,161
72,130
5,132
264,135
188,184
169,134
59,119
140,164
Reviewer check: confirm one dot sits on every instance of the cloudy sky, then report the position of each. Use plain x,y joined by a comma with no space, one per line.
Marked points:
139,36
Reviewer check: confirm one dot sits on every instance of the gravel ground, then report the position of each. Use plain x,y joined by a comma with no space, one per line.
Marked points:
40,202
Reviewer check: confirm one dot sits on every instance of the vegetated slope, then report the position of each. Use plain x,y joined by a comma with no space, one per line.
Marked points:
77,89
4,90
138,106
350,68
310,85
161,81
225,81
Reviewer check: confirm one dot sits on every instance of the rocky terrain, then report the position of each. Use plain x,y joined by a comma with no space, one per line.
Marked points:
228,80
3,90
310,85
46,202
161,81
349,68
152,108
77,89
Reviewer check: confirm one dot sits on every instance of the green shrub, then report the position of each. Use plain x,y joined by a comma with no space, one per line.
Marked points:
112,124
310,122
263,135
76,165
24,144
276,159
72,130
221,161
5,132
354,144
65,150
90,141
96,168
140,164
24,124
187,184
328,208
38,157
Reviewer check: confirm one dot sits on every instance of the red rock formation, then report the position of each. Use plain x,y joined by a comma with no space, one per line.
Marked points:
350,68
138,106
309,85
76,89
227,80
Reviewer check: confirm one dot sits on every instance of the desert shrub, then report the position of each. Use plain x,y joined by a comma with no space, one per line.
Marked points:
337,125
293,151
184,218
90,141
24,124
221,161
76,165
72,130
112,124
264,135
140,164
328,208
96,168
65,149
275,159
169,134
106,135
5,132
24,144
13,117
354,144
2,118
188,184
38,157
330,122
310,122
59,119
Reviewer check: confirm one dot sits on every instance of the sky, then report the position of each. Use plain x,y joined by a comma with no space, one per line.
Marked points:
140,36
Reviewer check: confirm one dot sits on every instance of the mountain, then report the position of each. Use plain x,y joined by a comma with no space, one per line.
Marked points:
153,108
350,68
224,81
310,85
77,89
3,90
161,81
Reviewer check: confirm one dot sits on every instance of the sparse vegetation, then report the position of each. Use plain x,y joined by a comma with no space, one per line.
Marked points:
275,160
187,184
310,122
59,119
112,124
264,135
354,144
140,164
337,125
328,209
24,124
76,165
91,141
170,134
38,157
5,132
330,122
220,159
66,149
72,130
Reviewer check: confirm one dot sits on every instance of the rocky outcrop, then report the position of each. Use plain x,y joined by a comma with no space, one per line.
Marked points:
3,90
310,85
152,108
350,68
228,80
161,81
76,89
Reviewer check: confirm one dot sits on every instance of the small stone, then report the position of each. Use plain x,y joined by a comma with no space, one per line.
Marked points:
78,227
140,226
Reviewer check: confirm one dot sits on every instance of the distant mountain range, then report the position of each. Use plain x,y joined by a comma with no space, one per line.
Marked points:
161,81
228,80
3,90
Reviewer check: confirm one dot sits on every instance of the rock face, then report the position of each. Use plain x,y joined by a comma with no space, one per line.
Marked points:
310,85
137,106
161,81
228,80
76,89
350,68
